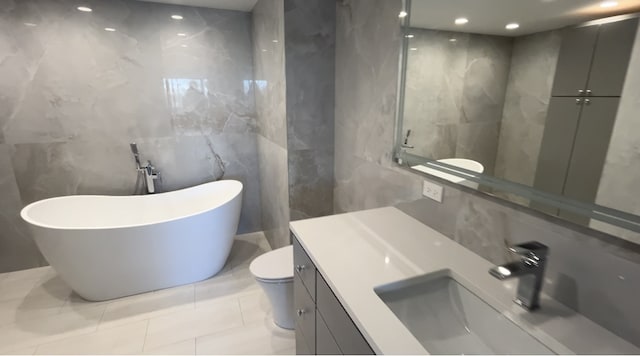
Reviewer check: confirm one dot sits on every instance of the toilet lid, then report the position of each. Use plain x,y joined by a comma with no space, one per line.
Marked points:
276,264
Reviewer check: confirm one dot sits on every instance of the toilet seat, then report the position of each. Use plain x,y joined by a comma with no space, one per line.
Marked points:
274,266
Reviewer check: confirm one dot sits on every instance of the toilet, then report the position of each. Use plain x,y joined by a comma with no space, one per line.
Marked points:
274,273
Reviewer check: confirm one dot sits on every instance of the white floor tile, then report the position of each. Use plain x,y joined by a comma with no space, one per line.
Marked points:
208,318
26,351
255,307
253,339
221,288
148,305
123,340
40,314
186,347
75,304
12,288
32,273
27,333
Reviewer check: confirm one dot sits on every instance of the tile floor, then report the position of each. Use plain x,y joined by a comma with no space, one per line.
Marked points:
227,314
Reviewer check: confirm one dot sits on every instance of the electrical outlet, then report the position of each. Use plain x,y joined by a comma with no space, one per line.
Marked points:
432,191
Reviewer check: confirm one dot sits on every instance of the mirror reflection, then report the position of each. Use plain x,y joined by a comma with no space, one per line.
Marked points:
542,93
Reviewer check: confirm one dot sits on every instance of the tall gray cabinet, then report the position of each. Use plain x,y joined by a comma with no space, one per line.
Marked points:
591,70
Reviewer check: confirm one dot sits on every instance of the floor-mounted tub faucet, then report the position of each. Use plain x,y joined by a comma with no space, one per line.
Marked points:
530,270
148,170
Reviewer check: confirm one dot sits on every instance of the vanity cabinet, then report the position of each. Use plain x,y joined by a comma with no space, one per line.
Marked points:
593,60
591,70
574,149
323,327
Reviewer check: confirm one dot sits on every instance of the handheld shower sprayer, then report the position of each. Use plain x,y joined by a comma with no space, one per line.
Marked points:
136,155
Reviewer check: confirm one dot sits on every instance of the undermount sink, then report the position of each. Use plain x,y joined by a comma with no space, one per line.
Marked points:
447,318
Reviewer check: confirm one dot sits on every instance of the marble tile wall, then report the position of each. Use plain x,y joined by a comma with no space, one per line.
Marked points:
533,68
594,273
271,96
74,95
310,27
367,48
454,94
621,172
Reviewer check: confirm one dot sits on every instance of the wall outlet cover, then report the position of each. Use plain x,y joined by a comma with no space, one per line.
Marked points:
432,191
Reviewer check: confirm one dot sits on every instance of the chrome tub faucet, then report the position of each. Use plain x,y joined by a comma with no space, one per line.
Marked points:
529,269
148,170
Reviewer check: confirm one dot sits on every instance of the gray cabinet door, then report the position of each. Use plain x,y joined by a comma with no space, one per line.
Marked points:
611,57
574,60
346,334
589,152
557,145
306,318
304,268
325,343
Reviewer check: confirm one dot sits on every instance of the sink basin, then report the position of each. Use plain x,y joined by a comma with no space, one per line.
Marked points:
447,318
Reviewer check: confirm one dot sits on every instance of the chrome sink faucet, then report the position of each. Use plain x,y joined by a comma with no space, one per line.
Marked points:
530,270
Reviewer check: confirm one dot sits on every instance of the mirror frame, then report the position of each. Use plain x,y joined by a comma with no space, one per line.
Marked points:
406,160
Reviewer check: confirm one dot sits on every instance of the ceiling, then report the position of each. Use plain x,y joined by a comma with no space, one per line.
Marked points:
238,5
491,16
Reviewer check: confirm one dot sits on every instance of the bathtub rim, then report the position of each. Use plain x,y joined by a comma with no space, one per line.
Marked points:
24,213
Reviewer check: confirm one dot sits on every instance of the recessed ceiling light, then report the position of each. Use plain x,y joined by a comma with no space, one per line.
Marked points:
512,26
264,50
274,41
402,14
409,36
182,34
110,29
30,24
184,46
461,21
177,17
413,49
453,40
606,4
84,9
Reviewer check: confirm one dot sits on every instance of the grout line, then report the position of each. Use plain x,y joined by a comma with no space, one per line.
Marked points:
146,332
241,313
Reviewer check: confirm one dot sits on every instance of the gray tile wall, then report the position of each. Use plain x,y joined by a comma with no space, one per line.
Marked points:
533,69
454,94
367,47
594,273
73,96
269,62
310,27
621,172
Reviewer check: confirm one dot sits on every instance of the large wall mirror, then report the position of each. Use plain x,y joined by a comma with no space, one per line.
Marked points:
537,102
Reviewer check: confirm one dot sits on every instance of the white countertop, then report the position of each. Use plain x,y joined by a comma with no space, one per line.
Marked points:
359,251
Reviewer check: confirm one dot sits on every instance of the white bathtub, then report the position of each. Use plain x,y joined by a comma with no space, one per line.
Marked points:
108,247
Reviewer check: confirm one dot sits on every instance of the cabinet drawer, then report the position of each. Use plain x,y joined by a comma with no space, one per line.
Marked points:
325,343
304,268
305,310
301,344
344,331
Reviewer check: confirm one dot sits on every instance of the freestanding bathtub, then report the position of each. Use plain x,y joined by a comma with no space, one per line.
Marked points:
107,247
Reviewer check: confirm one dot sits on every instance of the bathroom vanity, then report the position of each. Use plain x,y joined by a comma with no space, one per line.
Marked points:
379,281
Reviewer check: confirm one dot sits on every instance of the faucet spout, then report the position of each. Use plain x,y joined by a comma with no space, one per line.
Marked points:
529,270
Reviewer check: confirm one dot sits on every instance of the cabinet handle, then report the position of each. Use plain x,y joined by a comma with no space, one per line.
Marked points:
588,91
580,91
300,312
578,101
300,268
587,101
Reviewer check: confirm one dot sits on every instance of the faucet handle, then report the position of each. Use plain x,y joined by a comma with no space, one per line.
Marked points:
531,252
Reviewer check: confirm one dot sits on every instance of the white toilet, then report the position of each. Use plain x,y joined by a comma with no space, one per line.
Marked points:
274,272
